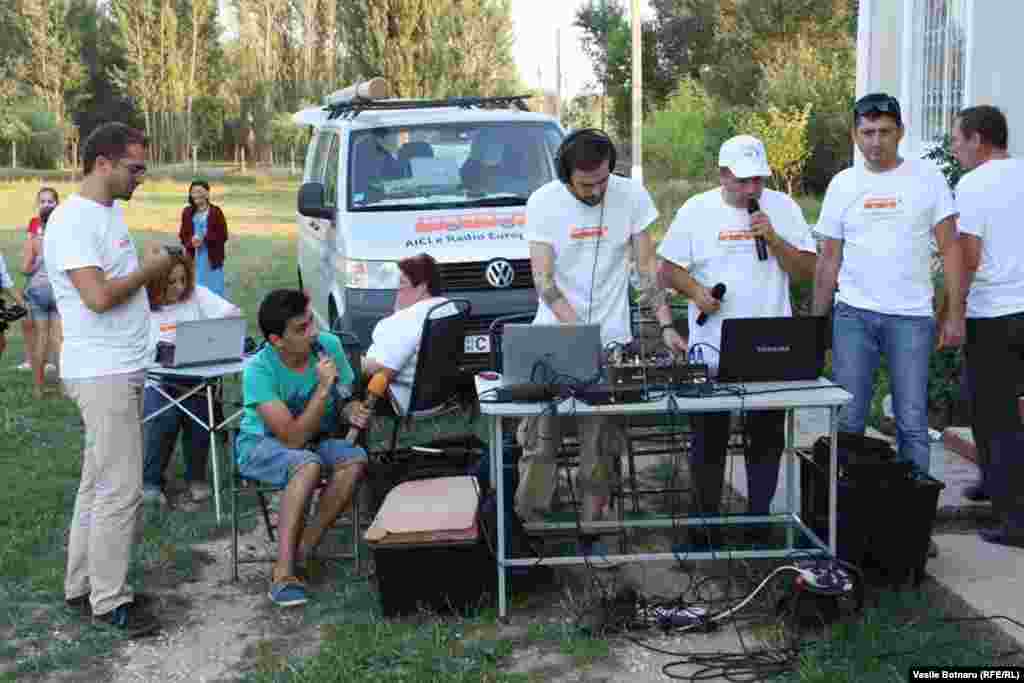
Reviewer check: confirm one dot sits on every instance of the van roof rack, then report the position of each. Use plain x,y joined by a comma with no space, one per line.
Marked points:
352,109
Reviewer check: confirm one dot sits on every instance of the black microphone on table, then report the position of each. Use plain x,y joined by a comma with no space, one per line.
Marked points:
717,292
762,246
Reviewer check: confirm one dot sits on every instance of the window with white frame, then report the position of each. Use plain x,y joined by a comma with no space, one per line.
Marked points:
941,54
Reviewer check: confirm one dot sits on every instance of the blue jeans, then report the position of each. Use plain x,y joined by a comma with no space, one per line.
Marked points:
859,338
160,433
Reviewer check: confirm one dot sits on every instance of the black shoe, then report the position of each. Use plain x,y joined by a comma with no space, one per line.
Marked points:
130,620
975,493
1002,536
83,607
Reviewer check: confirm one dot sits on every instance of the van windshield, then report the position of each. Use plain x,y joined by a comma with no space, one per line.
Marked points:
449,165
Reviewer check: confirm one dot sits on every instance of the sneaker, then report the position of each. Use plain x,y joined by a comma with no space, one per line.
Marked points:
199,491
130,619
153,496
288,592
83,607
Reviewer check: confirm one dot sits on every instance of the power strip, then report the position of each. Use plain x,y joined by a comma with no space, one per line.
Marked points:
823,577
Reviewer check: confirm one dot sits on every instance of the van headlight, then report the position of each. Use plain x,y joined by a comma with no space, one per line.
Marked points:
372,274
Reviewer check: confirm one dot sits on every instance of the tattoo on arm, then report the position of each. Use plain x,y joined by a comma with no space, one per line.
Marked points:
547,289
651,294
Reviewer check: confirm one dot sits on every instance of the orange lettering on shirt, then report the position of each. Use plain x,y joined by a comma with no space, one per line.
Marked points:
735,235
580,233
168,327
875,203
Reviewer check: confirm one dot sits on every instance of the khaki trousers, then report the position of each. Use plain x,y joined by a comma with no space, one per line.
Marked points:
602,440
106,516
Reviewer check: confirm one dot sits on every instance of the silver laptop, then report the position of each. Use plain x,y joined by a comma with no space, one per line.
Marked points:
207,342
546,354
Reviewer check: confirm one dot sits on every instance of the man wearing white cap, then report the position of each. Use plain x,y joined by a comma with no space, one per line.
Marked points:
714,239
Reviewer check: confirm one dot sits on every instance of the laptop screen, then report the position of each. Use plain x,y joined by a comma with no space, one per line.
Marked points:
561,354
772,349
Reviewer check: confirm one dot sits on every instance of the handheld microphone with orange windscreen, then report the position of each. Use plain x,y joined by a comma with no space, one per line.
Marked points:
717,292
376,389
759,243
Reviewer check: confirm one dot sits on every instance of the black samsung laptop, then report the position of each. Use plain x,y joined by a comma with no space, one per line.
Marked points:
772,349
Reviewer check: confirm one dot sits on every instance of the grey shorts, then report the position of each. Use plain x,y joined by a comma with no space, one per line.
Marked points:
272,462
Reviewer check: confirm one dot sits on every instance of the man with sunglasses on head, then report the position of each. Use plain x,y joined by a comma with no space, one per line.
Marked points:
990,202
585,229
877,222
99,286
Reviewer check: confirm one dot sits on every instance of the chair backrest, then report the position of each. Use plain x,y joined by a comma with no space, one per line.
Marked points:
495,334
417,148
437,366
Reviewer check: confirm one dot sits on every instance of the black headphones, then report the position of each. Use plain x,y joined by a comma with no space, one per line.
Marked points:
565,157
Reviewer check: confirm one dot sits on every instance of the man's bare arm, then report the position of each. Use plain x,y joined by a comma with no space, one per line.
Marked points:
951,329
651,291
101,294
826,275
542,263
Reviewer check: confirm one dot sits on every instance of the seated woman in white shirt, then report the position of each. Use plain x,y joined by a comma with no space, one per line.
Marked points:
396,338
173,299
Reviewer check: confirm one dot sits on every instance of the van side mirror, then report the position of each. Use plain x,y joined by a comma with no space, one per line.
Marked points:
311,201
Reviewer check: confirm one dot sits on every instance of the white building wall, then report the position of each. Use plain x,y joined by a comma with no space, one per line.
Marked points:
996,67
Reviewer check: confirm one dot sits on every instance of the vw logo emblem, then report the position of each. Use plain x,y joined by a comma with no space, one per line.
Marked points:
499,273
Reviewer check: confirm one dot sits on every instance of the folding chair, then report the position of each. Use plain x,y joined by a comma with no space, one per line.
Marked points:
435,383
241,485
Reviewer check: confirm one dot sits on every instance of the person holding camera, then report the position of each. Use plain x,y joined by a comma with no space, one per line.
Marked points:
176,298
99,282
6,286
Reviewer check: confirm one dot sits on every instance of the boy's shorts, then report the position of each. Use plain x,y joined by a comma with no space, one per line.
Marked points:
272,462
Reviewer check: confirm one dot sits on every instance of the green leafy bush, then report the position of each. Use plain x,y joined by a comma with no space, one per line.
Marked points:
682,140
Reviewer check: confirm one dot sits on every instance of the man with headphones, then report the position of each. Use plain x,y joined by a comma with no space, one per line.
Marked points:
585,230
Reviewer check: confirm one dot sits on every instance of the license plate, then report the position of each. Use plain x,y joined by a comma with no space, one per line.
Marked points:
477,343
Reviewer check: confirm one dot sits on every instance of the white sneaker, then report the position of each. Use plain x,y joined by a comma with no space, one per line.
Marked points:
25,366
153,496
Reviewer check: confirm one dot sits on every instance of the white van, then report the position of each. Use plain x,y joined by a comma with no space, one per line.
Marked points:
386,179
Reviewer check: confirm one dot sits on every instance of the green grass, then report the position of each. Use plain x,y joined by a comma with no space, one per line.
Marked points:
40,461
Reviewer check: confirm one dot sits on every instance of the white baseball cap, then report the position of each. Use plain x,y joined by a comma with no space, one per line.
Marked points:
744,155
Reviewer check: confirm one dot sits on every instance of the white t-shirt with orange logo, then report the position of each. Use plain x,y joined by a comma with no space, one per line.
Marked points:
593,250
80,234
201,305
886,221
712,240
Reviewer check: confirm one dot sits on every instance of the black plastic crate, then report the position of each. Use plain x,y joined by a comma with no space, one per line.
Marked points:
885,509
442,578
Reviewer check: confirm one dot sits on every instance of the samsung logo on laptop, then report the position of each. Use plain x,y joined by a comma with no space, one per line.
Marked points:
773,349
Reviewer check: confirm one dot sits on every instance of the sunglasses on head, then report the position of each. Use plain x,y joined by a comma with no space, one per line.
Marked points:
880,104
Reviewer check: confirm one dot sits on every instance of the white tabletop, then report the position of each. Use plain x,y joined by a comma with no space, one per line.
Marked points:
819,393
200,371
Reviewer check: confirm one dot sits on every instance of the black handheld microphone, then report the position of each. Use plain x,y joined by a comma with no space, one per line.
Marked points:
717,292
762,246
318,350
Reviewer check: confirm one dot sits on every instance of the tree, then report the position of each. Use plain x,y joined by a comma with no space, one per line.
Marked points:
784,134
50,63
472,50
607,41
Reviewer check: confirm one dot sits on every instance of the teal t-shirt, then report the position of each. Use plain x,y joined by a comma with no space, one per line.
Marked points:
266,379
